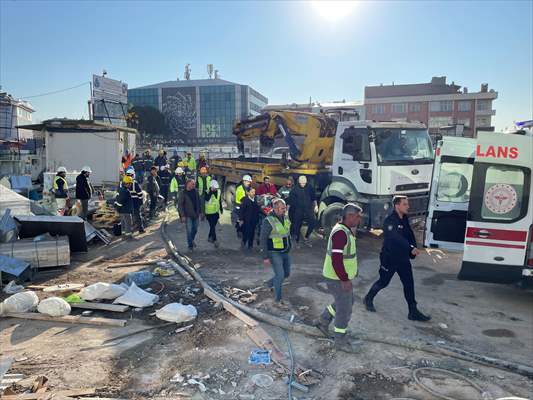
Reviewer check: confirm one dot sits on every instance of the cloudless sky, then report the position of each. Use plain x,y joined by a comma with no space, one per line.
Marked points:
288,51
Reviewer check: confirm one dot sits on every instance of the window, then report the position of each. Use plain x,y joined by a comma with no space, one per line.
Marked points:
503,193
378,109
483,105
464,106
440,106
437,122
414,107
398,108
483,122
464,121
454,182
355,143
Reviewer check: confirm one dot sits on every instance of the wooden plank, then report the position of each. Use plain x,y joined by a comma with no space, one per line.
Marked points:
133,264
65,287
101,306
49,395
230,308
70,319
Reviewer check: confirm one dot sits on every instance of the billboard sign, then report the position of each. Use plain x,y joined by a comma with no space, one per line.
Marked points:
110,100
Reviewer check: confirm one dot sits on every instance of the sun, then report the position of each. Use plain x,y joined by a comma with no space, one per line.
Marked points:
333,10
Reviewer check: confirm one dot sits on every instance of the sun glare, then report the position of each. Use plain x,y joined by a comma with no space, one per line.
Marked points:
333,10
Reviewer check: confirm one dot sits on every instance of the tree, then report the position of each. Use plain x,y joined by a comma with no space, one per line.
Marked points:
147,120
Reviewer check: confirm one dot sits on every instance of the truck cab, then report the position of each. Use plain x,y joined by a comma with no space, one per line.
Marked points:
481,203
372,162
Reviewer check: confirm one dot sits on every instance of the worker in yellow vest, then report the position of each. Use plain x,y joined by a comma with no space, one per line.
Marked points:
213,210
340,268
203,185
240,193
60,190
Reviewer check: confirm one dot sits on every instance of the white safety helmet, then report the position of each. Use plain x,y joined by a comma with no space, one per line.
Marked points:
130,171
247,178
214,184
162,167
302,180
179,170
87,169
61,169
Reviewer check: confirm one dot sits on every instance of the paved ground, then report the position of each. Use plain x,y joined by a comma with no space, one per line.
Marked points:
489,319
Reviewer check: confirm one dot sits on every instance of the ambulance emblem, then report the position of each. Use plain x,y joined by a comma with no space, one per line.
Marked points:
501,198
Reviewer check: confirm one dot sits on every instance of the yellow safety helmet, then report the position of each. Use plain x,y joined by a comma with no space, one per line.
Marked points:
127,179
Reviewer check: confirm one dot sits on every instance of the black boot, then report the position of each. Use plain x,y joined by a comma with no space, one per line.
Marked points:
369,298
416,315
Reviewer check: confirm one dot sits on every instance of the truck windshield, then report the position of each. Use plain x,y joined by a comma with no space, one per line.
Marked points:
401,146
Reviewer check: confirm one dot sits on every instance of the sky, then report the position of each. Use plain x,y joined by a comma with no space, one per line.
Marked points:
288,51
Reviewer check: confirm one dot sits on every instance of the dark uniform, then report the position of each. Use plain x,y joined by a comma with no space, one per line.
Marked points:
137,199
398,243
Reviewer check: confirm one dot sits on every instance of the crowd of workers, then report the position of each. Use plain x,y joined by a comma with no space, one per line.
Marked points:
275,216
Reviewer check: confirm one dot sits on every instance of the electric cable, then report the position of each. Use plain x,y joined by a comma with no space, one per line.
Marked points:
55,91
291,355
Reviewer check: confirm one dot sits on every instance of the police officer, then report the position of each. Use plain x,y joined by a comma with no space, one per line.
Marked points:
399,247
136,194
340,268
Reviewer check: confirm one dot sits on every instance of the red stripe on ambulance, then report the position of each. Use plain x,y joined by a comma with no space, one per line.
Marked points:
496,234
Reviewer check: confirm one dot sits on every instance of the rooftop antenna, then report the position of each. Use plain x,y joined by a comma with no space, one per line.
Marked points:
210,70
104,72
187,72
217,76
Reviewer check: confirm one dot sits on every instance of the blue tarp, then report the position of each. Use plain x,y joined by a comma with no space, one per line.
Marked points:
20,182
13,266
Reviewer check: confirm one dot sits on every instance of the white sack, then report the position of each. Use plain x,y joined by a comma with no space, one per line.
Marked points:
20,302
54,306
136,297
102,290
177,312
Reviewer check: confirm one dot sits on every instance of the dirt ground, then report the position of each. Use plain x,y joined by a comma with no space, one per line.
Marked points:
493,320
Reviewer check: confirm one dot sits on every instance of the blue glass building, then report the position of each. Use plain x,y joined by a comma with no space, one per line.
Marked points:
200,111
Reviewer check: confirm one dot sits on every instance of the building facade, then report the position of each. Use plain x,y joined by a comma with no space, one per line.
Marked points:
443,108
13,113
200,112
340,110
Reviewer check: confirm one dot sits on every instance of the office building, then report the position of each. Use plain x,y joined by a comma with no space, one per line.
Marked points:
202,111
444,108
13,113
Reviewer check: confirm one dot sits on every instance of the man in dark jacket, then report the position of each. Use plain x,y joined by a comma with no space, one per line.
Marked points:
190,211
60,191
84,190
165,176
161,160
136,193
124,204
138,165
148,162
249,218
399,248
153,189
302,203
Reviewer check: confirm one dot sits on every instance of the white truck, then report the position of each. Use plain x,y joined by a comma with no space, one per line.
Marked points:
481,203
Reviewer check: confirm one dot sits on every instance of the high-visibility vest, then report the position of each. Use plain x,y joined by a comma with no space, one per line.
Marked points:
213,205
56,186
348,255
201,189
280,234
191,163
240,192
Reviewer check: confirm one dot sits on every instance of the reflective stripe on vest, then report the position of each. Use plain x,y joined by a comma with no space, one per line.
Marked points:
279,231
349,254
213,205
65,184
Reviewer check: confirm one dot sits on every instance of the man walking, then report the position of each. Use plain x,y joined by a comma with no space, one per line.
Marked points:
138,166
136,194
124,204
276,244
190,211
60,191
164,178
340,268
240,194
303,207
399,247
203,185
153,189
213,210
84,190
177,184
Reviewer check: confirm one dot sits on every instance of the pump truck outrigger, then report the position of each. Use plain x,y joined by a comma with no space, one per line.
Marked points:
481,203
364,162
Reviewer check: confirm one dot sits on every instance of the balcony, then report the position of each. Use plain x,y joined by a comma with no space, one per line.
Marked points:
485,112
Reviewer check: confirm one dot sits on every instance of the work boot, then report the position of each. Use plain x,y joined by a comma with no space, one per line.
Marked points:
322,325
369,303
343,343
416,315
217,245
210,240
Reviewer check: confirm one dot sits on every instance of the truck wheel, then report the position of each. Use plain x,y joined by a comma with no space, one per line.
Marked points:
229,196
330,216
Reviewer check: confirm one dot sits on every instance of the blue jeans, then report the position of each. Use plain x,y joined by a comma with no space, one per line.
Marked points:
281,265
191,225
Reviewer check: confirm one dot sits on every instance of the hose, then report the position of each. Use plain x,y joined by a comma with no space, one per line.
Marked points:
291,375
454,374
188,266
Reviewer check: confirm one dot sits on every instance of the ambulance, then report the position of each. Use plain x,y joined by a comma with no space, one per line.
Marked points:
481,203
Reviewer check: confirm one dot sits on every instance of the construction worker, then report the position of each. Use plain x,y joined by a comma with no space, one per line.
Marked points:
240,193
174,160
276,244
191,163
249,218
177,183
203,183
136,194
124,204
60,191
153,190
213,210
399,248
164,176
138,165
340,268
84,190
303,207
201,162
161,160
189,211
148,162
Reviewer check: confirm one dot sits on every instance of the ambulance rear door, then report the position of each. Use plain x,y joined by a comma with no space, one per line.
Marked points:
500,211
450,192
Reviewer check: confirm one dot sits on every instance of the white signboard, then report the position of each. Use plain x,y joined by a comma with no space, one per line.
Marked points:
109,89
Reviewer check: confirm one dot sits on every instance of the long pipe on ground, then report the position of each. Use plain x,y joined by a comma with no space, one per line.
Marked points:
185,263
